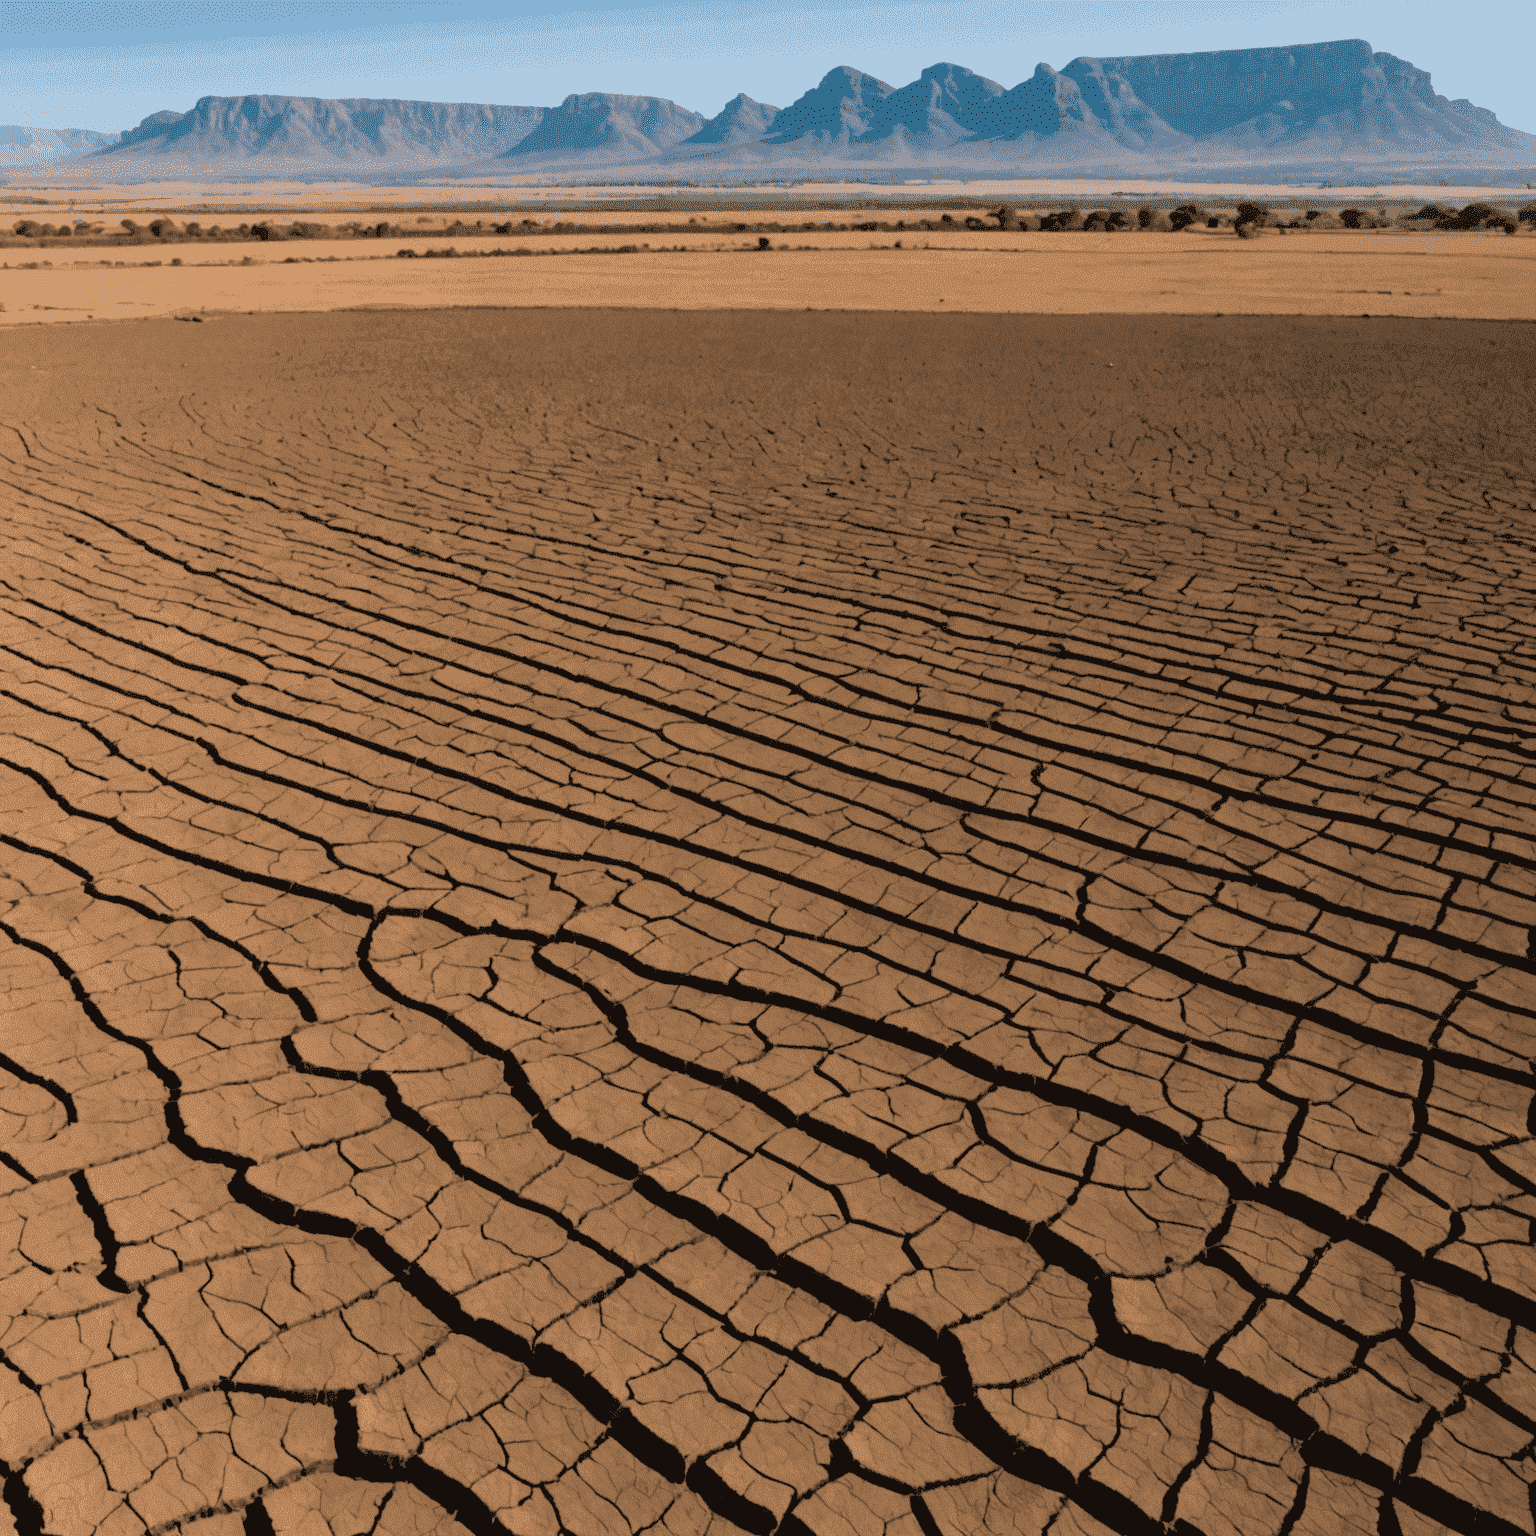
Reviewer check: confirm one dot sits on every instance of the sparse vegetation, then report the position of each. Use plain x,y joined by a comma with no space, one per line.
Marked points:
1473,216
1251,218
1246,218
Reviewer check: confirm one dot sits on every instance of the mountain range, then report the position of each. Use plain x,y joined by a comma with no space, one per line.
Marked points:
1317,107
47,146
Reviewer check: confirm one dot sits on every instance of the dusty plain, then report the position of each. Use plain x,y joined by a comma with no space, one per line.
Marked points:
868,925
82,189
1477,275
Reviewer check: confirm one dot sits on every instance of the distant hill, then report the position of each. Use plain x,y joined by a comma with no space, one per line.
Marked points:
1328,109
741,121
834,113
47,146
609,127
314,131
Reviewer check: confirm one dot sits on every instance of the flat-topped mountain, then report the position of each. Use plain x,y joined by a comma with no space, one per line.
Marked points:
1272,97
1317,108
315,130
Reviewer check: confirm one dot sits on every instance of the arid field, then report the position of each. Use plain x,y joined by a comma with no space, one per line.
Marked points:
1474,275
638,921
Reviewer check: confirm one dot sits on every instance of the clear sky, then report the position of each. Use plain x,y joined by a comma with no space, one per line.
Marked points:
108,63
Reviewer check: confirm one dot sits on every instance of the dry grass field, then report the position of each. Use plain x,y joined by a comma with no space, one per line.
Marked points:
866,925
1480,275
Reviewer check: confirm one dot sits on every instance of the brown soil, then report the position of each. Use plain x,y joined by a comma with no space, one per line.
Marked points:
847,924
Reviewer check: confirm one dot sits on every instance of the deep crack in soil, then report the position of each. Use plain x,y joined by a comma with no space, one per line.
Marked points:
845,924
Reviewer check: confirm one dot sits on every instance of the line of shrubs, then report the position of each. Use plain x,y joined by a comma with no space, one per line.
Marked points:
1473,216
1249,218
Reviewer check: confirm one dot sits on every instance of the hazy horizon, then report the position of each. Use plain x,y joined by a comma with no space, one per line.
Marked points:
107,66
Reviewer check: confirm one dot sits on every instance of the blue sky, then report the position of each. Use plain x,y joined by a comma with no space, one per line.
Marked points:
107,63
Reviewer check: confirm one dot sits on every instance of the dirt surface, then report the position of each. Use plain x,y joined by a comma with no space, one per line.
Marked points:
79,188
866,925
1467,276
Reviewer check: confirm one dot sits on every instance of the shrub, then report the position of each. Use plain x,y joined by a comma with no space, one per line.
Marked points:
1184,215
1213,222
160,228
1473,216
194,229
29,229
1350,218
1144,217
1527,215
1005,218
1256,214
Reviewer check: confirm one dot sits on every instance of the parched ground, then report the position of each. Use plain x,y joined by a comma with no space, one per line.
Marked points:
866,925
1472,276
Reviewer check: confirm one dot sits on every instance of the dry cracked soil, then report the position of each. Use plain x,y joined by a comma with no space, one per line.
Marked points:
864,925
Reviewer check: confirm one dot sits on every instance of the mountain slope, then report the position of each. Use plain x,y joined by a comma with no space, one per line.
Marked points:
740,121
47,146
605,125
837,110
945,104
316,130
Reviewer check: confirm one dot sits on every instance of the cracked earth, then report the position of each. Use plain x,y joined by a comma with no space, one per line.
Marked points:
854,925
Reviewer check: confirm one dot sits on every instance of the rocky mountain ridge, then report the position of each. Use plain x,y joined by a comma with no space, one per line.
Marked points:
1317,105
21,146
320,131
